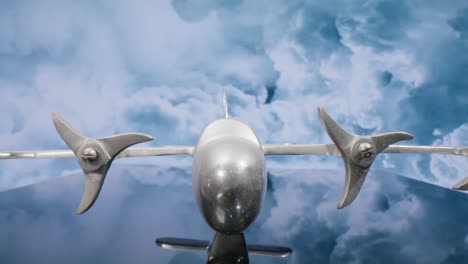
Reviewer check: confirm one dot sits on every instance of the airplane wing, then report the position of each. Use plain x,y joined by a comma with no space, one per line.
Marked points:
332,150
127,153
95,156
95,170
301,149
359,152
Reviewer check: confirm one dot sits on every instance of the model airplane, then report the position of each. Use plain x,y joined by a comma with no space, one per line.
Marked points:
229,174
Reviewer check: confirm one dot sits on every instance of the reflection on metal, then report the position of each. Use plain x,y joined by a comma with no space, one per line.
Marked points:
228,249
229,174
225,105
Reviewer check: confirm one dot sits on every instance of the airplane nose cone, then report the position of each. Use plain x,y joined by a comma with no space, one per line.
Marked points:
232,212
229,183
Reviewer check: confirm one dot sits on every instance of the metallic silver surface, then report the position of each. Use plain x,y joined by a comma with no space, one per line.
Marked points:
156,151
36,154
228,249
95,156
268,149
301,149
332,150
228,173
268,250
461,151
127,153
225,105
358,153
89,155
229,176
174,243
461,185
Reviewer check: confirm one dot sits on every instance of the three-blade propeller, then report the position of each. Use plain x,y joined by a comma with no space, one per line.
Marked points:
358,153
95,156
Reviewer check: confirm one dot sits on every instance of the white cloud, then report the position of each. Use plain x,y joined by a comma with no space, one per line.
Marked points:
450,169
116,67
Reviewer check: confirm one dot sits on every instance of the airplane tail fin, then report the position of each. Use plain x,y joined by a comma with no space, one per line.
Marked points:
223,247
225,105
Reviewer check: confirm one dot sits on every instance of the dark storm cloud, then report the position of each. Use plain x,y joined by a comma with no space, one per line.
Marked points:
460,23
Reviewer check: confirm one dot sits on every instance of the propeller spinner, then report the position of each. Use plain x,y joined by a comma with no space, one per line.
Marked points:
358,153
95,156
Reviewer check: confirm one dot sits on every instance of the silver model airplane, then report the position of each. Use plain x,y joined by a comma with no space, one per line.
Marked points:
229,174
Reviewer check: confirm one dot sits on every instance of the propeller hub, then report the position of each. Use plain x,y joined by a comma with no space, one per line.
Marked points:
363,152
89,155
365,149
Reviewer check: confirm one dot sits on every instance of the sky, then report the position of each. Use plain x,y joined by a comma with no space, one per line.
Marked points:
159,67
395,220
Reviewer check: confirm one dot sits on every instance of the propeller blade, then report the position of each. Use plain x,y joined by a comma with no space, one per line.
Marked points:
95,156
92,188
355,176
461,185
72,138
115,144
341,137
382,141
358,153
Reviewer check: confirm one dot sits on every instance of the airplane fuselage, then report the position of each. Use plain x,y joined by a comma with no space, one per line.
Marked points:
229,176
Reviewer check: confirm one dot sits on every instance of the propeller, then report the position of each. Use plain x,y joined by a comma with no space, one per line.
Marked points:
358,153
95,156
461,185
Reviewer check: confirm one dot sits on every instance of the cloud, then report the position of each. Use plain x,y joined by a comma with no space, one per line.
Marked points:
159,68
451,169
387,223
126,203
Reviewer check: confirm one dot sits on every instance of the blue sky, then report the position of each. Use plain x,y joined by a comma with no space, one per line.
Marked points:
158,67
